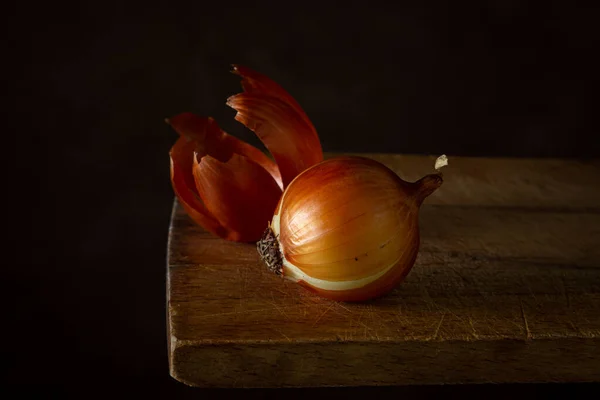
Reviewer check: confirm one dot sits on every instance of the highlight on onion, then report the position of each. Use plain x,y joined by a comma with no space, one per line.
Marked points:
347,228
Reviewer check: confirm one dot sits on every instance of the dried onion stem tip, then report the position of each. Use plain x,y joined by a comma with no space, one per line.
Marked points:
440,162
430,183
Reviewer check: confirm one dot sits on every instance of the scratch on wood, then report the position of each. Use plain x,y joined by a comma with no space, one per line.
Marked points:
278,308
324,312
576,328
280,291
514,322
527,331
283,334
495,331
370,328
455,315
371,316
437,330
347,315
431,303
344,307
533,295
364,325
466,280
400,319
362,311
474,332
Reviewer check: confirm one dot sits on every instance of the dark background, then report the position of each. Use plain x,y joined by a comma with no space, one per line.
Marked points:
88,190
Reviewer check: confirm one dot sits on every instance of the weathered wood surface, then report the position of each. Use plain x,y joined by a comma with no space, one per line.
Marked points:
506,288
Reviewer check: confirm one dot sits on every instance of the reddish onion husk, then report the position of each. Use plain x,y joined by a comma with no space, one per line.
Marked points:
228,186
347,228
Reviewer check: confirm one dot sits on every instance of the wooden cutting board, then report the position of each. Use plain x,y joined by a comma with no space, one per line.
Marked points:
506,288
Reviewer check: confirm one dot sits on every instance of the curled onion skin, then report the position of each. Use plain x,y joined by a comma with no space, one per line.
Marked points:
228,186
347,228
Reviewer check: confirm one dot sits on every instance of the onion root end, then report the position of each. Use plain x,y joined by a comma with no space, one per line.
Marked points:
268,248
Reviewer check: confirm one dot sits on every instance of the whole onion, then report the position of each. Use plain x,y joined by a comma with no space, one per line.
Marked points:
347,228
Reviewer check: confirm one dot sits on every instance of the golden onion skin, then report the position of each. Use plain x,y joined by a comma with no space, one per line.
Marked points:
347,228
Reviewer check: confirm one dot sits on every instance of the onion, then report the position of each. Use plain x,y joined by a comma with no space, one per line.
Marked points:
347,228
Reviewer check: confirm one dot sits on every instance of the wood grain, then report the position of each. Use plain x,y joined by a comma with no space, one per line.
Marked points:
506,288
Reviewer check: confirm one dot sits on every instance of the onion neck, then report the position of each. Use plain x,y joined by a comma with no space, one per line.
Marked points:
426,186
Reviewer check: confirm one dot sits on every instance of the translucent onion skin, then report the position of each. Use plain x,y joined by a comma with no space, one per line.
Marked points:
347,228
228,186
